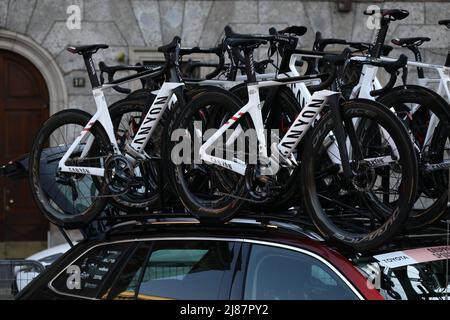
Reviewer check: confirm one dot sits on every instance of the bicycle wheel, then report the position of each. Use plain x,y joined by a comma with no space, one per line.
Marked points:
70,200
416,106
347,209
209,192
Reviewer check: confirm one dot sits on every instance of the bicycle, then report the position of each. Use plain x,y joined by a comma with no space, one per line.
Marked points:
92,167
420,109
247,182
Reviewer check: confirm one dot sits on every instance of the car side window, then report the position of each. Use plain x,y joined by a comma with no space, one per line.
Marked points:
280,274
186,270
126,283
86,275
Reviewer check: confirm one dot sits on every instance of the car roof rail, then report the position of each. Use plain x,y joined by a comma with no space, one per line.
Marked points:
115,221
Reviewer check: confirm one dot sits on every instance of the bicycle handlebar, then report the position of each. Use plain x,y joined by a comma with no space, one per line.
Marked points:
334,60
320,44
186,51
229,33
391,67
111,71
217,51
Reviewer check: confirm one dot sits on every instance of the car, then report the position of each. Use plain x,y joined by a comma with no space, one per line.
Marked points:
178,258
24,274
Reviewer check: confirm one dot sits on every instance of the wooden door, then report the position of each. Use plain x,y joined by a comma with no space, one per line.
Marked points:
23,108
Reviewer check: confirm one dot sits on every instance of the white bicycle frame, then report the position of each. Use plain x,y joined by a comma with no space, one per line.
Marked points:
311,109
312,105
103,117
290,140
443,80
163,97
369,81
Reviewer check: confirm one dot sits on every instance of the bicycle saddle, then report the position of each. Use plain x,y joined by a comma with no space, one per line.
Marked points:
171,46
390,14
91,48
445,23
297,30
242,42
414,41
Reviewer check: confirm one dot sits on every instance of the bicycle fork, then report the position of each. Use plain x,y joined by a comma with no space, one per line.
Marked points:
339,133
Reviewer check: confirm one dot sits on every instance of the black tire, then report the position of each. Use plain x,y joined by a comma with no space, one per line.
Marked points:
206,210
432,187
73,218
285,104
328,213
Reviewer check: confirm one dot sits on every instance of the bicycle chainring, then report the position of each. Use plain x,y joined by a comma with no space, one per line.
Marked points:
260,188
119,173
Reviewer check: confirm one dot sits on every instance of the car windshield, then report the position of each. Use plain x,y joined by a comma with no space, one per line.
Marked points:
418,274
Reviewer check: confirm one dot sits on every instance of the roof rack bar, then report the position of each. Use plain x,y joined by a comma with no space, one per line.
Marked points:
145,216
418,236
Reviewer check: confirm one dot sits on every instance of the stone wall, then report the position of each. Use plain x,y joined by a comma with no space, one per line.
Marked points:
129,24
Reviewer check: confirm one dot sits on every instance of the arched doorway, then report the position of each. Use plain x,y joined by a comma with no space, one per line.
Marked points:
24,106
47,66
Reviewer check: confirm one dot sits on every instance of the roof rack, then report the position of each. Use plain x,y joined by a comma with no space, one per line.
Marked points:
293,220
437,234
113,219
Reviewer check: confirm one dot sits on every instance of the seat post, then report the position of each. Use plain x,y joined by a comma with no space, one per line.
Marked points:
90,67
234,57
380,38
249,65
418,58
447,61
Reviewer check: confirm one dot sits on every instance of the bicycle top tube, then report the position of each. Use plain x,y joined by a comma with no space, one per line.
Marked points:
171,68
150,73
415,63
